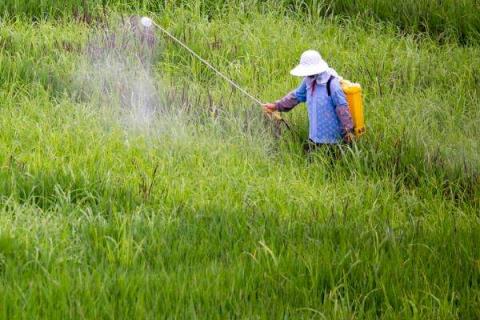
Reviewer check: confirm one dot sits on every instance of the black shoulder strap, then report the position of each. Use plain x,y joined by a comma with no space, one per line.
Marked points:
329,90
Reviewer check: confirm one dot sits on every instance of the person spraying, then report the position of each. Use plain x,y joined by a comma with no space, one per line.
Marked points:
330,121
328,107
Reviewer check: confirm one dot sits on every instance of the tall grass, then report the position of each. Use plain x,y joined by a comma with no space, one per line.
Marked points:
225,220
447,21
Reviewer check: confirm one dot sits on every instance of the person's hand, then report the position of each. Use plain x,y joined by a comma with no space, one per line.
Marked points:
269,107
348,137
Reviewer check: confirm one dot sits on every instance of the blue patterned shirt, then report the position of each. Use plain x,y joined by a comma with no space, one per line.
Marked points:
329,116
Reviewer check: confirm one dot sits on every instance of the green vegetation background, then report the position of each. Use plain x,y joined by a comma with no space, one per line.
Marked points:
217,218
443,19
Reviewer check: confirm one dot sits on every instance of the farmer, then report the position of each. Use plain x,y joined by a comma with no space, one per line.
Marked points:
328,112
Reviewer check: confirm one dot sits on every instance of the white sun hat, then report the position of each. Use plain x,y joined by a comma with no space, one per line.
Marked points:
311,63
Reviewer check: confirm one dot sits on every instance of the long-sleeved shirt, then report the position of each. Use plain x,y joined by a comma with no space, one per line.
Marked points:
329,116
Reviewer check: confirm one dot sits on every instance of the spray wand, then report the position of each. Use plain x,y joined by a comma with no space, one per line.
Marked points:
147,23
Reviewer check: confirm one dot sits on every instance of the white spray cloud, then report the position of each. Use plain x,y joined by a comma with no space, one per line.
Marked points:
117,72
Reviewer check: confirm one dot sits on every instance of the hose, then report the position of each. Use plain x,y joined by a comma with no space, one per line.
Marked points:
275,116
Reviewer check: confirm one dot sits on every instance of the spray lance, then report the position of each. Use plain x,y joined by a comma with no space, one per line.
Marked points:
148,23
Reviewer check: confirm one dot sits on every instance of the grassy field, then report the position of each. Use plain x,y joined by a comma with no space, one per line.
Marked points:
194,208
444,20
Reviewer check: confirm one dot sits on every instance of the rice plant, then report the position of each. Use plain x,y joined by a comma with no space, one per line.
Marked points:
203,211
446,21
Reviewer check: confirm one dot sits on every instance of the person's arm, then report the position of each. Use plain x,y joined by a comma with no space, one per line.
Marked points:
290,101
287,103
342,110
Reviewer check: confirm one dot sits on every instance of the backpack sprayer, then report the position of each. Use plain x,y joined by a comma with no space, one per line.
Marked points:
147,23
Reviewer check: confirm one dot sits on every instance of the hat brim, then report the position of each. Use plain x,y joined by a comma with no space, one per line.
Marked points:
305,71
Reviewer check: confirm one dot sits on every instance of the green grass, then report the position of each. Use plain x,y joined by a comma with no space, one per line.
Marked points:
208,215
445,20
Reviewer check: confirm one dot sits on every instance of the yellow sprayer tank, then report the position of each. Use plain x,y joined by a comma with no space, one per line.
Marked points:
353,92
